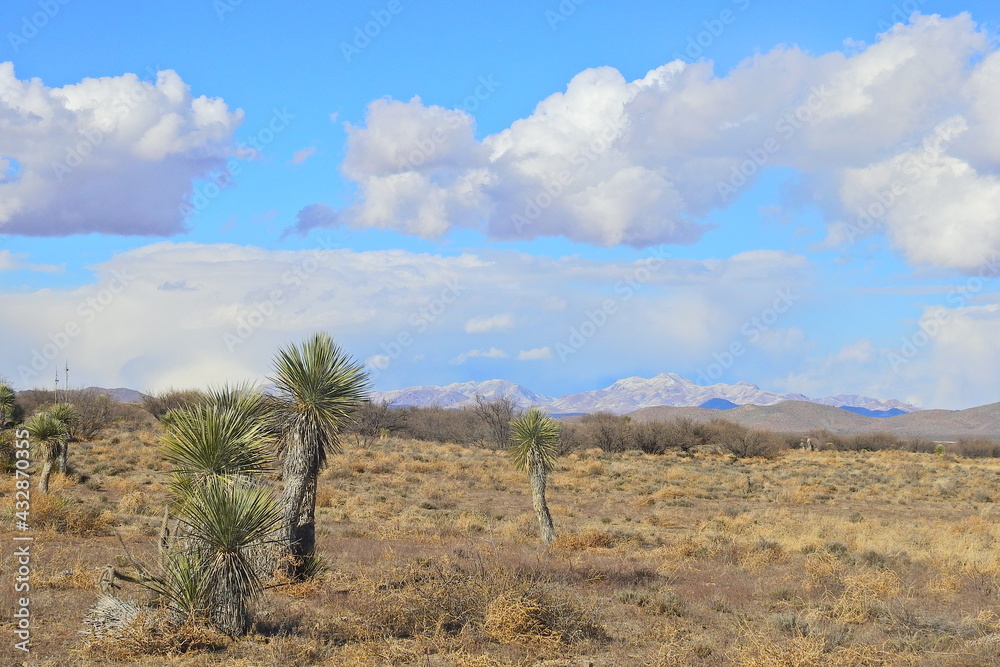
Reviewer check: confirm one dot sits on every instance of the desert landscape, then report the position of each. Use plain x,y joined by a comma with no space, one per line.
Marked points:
430,551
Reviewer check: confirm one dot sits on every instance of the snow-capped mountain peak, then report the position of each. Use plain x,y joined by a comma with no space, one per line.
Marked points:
623,396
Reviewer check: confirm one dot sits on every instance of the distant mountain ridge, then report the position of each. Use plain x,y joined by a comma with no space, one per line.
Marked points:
624,396
803,417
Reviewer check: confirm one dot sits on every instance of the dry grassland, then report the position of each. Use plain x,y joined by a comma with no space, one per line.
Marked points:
813,558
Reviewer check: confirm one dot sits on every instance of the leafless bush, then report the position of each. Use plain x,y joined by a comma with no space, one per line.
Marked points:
497,416
608,431
977,448
745,442
373,420
438,424
161,403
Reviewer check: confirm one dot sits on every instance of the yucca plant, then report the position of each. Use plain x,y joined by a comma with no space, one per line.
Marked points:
7,403
69,417
208,440
318,387
226,522
536,442
219,450
50,434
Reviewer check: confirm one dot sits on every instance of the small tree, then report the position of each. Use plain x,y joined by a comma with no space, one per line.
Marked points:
497,415
49,434
372,420
69,417
536,444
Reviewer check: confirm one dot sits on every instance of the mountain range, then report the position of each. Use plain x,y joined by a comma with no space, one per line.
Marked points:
628,395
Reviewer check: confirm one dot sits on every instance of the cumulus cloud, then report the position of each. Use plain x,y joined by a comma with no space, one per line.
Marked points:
115,155
610,161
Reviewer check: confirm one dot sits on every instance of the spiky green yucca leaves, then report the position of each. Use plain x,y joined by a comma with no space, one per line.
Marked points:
536,440
535,436
218,570
7,400
211,439
318,387
219,448
50,434
66,413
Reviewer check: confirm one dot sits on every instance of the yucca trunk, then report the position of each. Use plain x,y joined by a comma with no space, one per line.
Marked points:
538,475
43,479
63,456
298,511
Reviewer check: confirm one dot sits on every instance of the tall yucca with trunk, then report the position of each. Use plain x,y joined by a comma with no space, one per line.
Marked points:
536,443
318,386
50,435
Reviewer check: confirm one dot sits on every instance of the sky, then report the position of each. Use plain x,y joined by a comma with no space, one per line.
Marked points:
561,194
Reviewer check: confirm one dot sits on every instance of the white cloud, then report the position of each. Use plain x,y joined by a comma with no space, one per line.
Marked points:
610,161
302,155
10,261
536,354
492,353
193,314
487,323
115,154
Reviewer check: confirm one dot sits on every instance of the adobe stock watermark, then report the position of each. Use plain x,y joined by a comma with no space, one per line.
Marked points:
87,311
263,310
929,327
786,126
597,318
425,149
369,31
555,185
32,24
562,13
697,45
224,7
21,560
750,332
900,14
418,322
216,182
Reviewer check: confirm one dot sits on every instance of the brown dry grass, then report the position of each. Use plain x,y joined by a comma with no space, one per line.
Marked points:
815,558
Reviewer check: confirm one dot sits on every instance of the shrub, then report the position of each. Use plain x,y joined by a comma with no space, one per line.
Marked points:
161,403
745,442
977,448
372,420
608,431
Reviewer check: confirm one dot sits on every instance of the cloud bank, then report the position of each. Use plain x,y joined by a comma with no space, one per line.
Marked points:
115,155
901,137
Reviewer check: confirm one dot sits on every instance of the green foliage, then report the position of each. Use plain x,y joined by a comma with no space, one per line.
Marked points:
46,430
211,439
536,438
319,386
8,401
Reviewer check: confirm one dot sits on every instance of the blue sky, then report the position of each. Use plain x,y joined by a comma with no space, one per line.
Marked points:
560,194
